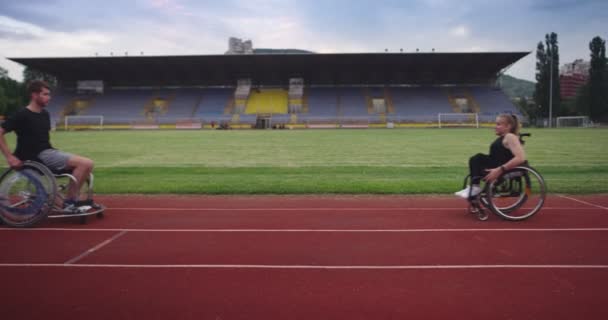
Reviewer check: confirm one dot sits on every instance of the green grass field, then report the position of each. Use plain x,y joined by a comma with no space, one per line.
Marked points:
399,161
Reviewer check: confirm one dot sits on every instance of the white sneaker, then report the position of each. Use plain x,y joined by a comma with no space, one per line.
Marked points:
476,190
464,193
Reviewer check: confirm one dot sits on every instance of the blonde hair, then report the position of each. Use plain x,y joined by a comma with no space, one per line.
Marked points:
512,120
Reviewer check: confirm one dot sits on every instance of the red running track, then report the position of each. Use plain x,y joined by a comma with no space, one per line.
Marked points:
308,257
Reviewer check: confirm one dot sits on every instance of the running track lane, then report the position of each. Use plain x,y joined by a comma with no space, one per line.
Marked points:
356,248
329,247
306,212
498,292
328,201
191,293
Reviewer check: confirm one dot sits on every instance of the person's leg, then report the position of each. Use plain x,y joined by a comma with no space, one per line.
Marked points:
477,168
81,169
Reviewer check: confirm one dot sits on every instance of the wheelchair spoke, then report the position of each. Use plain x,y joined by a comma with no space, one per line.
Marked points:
30,194
518,194
26,195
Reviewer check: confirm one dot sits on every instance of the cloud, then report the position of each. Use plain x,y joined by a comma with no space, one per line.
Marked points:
41,13
15,35
21,37
170,6
555,5
17,30
160,3
174,27
460,31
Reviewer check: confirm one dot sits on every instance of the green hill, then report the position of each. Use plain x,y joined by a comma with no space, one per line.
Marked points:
515,88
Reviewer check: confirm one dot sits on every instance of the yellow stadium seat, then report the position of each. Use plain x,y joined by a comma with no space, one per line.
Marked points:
267,101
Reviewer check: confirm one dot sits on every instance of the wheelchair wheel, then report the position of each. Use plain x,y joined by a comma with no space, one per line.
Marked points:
63,185
85,195
26,195
517,195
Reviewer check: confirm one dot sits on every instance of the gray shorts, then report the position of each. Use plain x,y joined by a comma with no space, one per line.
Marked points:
54,159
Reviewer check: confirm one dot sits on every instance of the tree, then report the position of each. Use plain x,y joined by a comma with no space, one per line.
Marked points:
582,100
3,101
553,67
3,98
598,80
3,73
12,96
30,74
547,95
527,108
541,93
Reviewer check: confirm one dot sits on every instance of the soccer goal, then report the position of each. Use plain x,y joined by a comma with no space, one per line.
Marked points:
577,121
83,122
458,120
188,123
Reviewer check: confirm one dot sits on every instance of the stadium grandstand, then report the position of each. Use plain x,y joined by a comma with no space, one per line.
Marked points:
265,88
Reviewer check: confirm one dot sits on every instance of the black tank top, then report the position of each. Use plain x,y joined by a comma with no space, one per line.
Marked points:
499,153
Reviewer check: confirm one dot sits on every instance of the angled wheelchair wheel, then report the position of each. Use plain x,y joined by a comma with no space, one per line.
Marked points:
26,195
63,182
85,196
517,195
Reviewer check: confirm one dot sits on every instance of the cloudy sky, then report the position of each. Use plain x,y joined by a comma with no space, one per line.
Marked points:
58,28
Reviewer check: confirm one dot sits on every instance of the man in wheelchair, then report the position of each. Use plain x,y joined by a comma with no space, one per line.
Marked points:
506,152
32,126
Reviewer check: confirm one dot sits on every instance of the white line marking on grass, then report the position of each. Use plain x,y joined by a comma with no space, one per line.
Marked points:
95,248
583,202
313,267
316,230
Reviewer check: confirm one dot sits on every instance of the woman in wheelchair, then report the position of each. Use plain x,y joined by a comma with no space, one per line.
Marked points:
506,152
32,125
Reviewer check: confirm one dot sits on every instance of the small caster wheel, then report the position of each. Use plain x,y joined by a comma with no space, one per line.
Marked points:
473,209
482,215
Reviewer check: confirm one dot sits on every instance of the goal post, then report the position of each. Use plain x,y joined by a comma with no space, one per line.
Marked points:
188,123
458,120
83,122
573,121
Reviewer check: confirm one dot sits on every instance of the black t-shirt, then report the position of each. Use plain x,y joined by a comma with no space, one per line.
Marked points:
32,129
499,152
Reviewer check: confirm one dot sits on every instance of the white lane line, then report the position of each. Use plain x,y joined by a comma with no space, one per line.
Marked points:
95,248
314,267
583,202
284,209
321,209
317,230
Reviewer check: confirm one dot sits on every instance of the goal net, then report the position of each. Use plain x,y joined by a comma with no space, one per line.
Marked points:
83,122
578,121
458,120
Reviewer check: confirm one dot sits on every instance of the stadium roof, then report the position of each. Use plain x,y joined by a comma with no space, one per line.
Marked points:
276,69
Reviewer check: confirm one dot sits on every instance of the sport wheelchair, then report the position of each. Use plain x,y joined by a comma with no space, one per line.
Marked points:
516,195
32,193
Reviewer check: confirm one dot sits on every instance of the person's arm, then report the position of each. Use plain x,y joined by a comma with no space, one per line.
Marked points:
519,156
12,161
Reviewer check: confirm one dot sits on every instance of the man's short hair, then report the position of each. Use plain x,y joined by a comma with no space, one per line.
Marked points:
35,86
